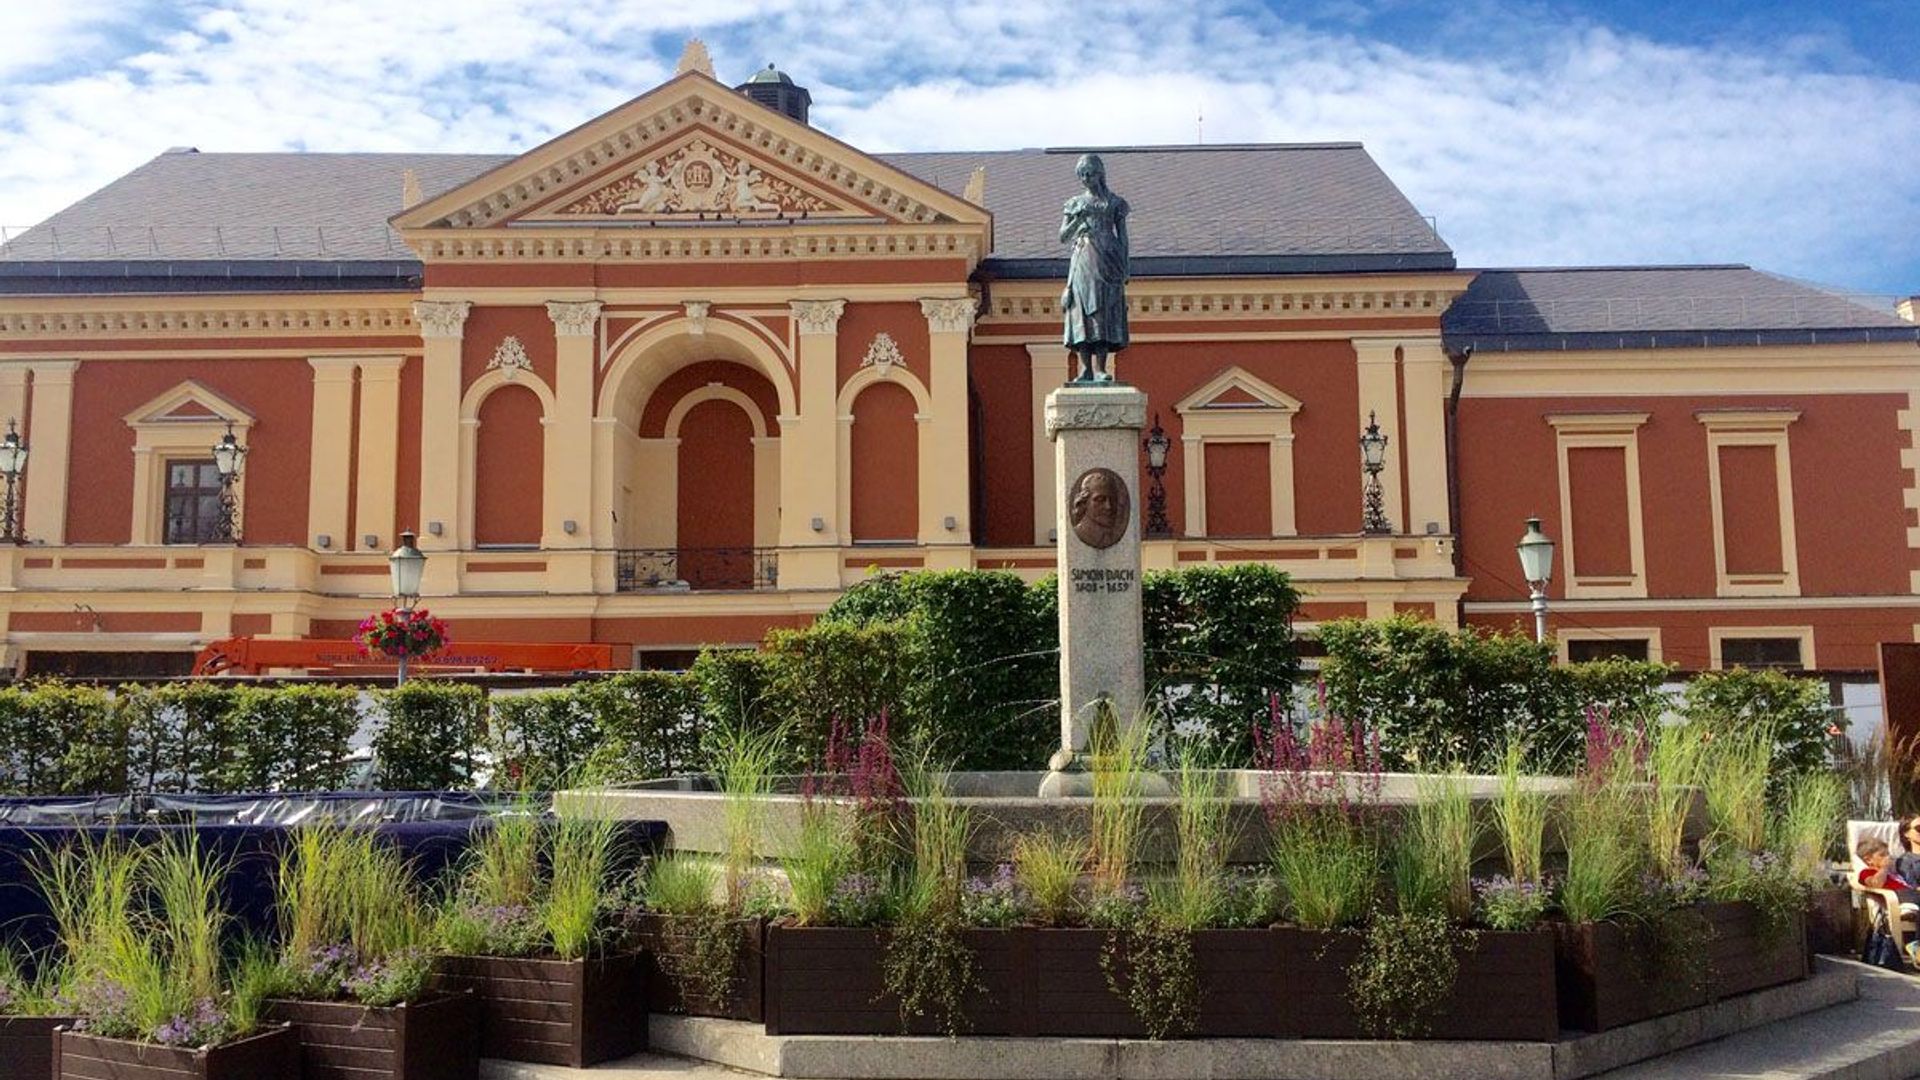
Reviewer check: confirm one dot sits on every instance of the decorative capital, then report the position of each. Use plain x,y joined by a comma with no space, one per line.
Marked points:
697,315
442,318
819,316
510,358
883,353
950,315
573,318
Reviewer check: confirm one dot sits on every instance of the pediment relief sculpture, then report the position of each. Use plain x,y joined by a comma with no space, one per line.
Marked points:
695,180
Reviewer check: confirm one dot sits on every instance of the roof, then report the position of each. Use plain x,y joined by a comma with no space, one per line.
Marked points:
191,220
1658,307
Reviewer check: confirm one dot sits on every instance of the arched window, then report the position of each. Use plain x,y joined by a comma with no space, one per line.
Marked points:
509,457
885,451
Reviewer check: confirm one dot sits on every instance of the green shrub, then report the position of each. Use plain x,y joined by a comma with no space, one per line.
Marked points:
650,725
732,688
428,735
835,672
91,730
179,736
292,737
1219,643
1794,711
540,740
30,760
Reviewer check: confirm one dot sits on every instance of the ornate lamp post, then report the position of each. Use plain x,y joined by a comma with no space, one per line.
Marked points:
1536,563
1373,458
13,462
227,456
406,564
1157,445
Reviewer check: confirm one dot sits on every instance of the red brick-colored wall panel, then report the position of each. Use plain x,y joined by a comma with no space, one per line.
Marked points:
653,419
1322,375
82,347
249,625
696,630
886,464
487,327
1845,639
279,394
1602,535
716,477
1847,547
1003,386
1750,509
1239,489
508,464
108,622
941,276
1328,610
406,484
903,322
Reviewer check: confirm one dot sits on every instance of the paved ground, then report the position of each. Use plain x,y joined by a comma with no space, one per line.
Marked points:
638,1067
1874,1038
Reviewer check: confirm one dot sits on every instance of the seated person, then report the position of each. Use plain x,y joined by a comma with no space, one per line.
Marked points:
1907,864
1879,873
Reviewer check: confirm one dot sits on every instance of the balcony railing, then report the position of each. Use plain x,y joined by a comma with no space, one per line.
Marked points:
700,569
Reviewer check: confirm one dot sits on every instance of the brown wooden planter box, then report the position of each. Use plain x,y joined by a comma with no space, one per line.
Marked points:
661,936
1610,975
437,1039
1504,989
1830,922
554,1012
26,1046
832,981
1238,973
1744,956
272,1054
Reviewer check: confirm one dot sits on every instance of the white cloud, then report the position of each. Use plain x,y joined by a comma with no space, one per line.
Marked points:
1567,144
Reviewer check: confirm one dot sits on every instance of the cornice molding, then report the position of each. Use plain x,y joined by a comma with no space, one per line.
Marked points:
686,244
1269,303
254,321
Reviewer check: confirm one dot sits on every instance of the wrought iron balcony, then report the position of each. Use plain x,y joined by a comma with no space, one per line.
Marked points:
697,569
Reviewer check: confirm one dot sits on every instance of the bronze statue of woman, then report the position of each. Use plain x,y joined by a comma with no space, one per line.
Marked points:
1094,223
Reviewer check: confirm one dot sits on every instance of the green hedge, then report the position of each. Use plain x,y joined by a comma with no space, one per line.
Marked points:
429,735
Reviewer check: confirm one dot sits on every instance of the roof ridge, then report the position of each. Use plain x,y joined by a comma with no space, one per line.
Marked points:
1620,268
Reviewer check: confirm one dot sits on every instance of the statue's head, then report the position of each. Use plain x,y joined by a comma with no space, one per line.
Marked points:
1091,171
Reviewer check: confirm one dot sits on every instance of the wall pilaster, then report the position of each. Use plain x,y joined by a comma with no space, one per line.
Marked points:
569,470
328,463
44,516
379,456
946,492
442,329
1380,396
1426,371
810,454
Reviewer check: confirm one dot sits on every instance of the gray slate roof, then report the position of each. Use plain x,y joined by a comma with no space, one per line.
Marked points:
1652,307
322,217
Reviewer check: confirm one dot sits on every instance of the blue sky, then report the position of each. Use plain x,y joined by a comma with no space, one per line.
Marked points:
1536,132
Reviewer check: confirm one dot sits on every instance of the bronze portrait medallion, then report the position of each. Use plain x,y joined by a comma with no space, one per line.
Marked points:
1099,507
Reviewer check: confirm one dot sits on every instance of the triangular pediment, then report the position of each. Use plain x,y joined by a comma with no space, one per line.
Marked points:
190,403
1237,390
690,150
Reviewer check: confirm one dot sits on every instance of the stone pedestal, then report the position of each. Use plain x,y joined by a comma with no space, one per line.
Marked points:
1096,440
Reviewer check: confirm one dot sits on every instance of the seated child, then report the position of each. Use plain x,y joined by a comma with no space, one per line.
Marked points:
1879,873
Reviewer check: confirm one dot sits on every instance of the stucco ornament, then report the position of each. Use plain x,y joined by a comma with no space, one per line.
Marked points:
883,353
818,316
573,318
698,179
950,315
510,358
697,312
441,318
1093,225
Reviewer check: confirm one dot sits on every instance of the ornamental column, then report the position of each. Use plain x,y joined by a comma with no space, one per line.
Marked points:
442,327
379,455
946,493
569,469
810,525
1424,365
328,463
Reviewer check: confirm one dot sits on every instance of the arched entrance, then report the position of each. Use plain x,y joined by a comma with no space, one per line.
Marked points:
714,517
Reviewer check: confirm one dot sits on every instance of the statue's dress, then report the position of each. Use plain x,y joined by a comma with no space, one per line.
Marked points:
1095,301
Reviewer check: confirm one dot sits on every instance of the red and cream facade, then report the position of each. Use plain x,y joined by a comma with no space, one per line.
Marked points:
569,402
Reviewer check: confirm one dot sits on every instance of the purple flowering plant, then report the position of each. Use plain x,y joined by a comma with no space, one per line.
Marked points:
205,1024
996,900
1505,904
860,899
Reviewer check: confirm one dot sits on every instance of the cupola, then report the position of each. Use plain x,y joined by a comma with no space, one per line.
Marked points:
773,88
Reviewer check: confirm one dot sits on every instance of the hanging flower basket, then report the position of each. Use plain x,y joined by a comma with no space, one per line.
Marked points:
397,634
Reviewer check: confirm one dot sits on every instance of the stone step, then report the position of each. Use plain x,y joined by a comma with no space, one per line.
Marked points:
1875,1037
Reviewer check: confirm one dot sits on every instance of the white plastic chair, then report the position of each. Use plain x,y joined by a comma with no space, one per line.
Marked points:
1901,921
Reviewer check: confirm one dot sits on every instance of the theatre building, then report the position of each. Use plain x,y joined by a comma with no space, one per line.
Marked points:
684,373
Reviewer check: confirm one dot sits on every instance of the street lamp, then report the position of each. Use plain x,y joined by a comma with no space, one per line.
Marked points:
13,462
406,564
1373,458
227,456
1157,445
1536,564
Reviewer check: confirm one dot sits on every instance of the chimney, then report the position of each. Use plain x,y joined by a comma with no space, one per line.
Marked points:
771,87
409,189
1908,309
